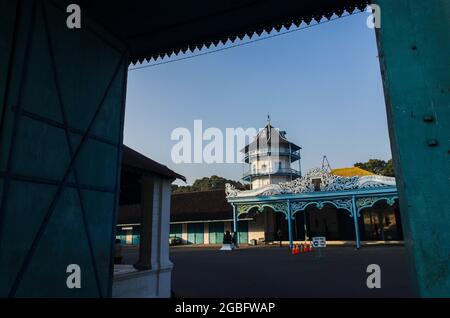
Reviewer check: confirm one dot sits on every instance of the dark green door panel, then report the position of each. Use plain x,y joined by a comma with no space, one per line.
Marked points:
216,231
414,47
6,47
243,232
195,232
60,141
176,230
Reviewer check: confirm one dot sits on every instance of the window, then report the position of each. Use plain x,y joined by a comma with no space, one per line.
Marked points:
316,183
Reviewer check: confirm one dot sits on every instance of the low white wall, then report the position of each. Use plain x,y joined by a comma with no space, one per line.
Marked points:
131,283
184,236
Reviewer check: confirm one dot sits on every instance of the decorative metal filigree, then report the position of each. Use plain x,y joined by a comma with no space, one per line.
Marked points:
270,192
328,183
368,202
375,181
275,206
345,204
299,206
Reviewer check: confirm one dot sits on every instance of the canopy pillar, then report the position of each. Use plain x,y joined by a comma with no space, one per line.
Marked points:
235,225
146,228
288,212
355,222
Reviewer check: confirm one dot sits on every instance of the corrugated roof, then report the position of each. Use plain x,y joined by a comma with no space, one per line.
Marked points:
153,29
200,206
351,172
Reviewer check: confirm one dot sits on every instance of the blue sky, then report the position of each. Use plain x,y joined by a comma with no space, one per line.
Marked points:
322,85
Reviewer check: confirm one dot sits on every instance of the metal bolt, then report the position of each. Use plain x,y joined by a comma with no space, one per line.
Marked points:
428,119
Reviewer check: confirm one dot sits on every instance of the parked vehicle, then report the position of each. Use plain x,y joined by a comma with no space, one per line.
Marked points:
175,241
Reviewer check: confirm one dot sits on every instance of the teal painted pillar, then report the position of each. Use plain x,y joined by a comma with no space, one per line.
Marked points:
289,224
62,95
305,226
414,50
355,223
235,224
235,219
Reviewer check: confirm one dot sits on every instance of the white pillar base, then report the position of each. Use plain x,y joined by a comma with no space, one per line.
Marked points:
227,247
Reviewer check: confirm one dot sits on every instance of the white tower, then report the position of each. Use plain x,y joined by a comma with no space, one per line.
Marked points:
270,156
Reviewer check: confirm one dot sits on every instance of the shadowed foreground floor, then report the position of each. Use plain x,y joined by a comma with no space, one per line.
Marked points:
273,272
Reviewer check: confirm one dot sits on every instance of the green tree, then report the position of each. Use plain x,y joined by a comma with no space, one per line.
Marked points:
389,170
378,166
208,183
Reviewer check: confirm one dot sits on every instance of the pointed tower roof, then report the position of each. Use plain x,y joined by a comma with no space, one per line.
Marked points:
266,134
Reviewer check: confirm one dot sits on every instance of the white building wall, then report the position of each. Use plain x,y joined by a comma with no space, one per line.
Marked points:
270,164
256,228
206,233
184,236
259,182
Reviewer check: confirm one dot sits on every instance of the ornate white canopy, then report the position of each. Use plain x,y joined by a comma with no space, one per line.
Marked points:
315,180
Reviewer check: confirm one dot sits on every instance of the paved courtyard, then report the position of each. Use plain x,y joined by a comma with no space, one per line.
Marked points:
273,272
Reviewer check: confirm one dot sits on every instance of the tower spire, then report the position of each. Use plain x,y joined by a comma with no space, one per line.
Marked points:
325,164
268,118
